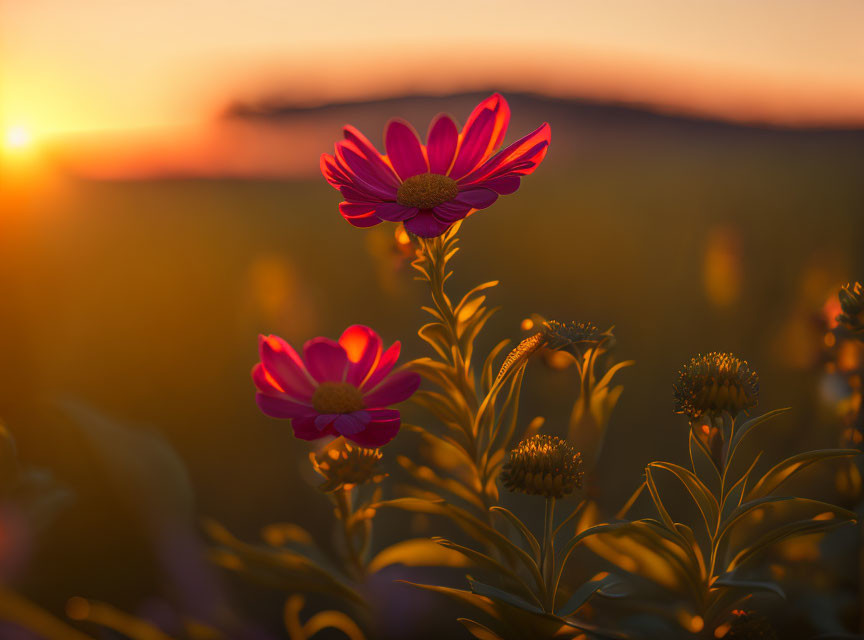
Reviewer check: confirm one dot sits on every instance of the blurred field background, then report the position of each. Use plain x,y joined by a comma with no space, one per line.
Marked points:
139,295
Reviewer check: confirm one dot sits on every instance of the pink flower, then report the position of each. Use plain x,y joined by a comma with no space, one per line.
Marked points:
336,388
430,187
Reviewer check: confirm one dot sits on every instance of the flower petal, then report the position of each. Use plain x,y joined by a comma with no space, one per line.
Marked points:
441,142
305,429
451,212
503,186
285,367
349,424
363,347
372,155
478,198
264,382
398,387
363,175
394,212
473,145
363,221
404,150
326,360
282,407
425,225
383,367
324,420
377,433
499,107
483,133
333,173
521,157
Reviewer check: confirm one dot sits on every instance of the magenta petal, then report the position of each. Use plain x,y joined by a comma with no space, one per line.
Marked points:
497,105
282,407
356,209
398,387
369,220
377,433
332,172
529,150
325,420
404,150
503,186
305,429
441,144
326,360
363,347
364,175
383,367
349,424
474,145
425,225
451,212
372,156
380,415
394,212
478,198
285,367
264,382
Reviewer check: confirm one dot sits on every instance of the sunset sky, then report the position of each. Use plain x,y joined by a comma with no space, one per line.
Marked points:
113,64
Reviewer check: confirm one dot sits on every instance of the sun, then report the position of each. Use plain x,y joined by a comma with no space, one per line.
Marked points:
17,137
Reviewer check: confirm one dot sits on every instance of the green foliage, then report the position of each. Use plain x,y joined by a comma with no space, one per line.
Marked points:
741,516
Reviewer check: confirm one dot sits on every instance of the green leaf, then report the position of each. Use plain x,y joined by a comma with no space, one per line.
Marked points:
489,371
436,335
784,470
489,563
703,465
749,585
505,596
472,525
789,530
481,603
584,593
285,568
478,630
732,499
521,528
480,287
701,495
607,377
418,552
746,428
748,507
655,496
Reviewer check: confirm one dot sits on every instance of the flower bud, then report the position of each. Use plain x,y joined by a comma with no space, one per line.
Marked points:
714,383
543,465
345,466
852,306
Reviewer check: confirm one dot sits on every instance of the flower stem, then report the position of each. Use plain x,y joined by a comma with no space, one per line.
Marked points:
547,553
344,509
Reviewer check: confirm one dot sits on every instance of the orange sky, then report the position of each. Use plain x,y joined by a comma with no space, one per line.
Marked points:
113,64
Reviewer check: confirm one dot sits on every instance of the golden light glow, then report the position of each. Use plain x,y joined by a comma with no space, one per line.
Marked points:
17,137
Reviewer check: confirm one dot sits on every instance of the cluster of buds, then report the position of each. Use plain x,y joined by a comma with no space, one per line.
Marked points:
346,466
715,383
574,337
852,307
543,465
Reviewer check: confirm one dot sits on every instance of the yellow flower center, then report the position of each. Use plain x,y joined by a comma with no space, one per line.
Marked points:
337,397
426,191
